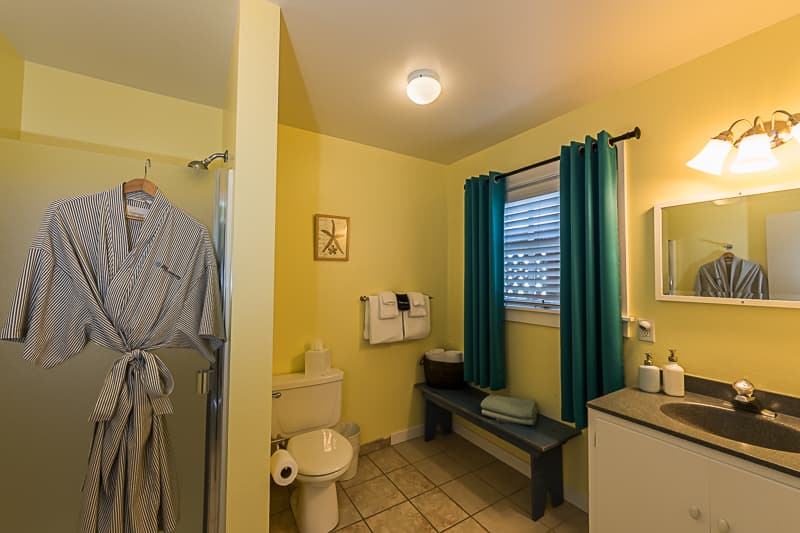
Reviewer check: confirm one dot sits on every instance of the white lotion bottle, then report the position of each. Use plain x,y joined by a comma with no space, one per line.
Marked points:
649,375
673,376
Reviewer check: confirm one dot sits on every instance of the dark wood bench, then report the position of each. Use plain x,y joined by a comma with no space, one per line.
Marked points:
542,441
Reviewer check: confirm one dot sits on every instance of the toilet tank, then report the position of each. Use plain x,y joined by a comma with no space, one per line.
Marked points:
301,403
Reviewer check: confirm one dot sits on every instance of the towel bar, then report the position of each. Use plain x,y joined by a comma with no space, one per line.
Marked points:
365,298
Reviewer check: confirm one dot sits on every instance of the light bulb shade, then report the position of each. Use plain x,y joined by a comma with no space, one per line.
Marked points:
423,86
796,132
711,157
755,155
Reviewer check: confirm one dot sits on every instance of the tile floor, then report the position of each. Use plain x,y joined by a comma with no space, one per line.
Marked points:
446,484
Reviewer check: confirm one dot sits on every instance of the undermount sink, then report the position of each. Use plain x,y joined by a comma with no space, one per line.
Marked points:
748,428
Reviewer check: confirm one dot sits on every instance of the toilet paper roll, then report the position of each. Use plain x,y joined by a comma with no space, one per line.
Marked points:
283,467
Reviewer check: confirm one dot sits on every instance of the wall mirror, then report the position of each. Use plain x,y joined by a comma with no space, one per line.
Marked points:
738,250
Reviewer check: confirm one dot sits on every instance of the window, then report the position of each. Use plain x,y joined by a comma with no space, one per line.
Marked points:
532,244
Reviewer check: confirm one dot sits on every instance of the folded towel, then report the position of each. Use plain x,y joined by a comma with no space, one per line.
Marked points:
499,416
419,304
510,406
416,327
378,331
388,305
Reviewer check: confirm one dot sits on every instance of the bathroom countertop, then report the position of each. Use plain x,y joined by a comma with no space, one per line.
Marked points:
645,408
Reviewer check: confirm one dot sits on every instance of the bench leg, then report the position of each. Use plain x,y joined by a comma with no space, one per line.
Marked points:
546,477
436,416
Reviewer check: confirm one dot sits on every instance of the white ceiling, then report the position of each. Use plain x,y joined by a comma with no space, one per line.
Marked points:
179,48
505,65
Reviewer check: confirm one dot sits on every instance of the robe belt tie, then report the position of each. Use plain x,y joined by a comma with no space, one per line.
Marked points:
141,365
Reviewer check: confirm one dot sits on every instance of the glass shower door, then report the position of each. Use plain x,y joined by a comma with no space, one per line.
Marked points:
45,434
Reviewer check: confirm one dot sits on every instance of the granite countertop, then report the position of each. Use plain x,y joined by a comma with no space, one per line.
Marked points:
645,408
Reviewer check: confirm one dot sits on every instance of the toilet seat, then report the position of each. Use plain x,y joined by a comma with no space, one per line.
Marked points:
320,452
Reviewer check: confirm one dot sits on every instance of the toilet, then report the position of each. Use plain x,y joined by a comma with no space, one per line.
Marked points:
304,409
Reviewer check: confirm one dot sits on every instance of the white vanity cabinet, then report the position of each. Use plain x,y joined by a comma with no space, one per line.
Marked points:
642,480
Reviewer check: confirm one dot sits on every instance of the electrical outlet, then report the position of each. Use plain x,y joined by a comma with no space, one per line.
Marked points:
646,330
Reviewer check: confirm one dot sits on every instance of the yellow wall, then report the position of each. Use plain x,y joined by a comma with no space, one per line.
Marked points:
397,211
65,108
250,379
677,111
12,68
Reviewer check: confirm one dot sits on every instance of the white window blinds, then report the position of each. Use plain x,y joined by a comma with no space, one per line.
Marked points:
531,240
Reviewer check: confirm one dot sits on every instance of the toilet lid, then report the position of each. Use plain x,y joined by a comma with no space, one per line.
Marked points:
320,452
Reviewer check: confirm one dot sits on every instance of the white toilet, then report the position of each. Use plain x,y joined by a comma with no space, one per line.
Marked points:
304,409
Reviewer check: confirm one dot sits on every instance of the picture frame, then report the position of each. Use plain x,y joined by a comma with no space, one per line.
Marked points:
331,238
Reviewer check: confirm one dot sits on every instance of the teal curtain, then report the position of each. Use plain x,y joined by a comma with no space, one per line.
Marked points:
591,326
484,314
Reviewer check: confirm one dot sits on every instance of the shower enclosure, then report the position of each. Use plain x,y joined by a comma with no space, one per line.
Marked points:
44,413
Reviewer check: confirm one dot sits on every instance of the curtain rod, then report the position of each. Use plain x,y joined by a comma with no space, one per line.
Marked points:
635,133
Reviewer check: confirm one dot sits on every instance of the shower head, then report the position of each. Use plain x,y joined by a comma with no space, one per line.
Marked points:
203,165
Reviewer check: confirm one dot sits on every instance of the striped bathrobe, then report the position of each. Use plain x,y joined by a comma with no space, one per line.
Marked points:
132,287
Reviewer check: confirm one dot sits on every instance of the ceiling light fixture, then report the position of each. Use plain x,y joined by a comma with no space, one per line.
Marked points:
423,86
755,145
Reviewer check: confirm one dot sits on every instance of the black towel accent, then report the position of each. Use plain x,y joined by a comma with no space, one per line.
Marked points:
403,303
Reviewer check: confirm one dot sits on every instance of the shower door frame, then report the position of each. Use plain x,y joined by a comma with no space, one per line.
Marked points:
216,406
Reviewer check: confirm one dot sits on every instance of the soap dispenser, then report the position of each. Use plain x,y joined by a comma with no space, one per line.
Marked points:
673,376
649,375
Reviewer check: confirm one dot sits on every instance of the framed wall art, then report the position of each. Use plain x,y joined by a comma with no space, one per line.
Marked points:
331,238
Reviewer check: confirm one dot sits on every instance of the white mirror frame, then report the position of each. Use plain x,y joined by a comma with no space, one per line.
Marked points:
658,246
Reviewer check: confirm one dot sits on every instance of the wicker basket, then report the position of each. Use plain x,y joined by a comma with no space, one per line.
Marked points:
443,375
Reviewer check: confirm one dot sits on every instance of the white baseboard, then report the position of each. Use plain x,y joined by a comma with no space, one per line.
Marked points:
406,434
493,449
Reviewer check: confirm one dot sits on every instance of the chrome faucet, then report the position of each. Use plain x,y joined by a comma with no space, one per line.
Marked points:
745,399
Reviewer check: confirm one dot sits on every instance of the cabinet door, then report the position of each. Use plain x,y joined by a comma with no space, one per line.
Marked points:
749,503
638,483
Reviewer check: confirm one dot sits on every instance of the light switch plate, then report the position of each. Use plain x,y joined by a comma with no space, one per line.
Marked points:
646,330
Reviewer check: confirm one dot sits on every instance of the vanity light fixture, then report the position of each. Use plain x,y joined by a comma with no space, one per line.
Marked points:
755,145
423,86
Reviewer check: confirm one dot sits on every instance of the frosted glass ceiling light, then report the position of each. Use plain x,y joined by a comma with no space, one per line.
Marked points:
423,86
755,152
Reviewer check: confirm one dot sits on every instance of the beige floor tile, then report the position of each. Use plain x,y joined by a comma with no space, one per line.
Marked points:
553,516
470,456
578,523
374,496
471,493
441,468
403,518
374,446
358,527
278,498
503,478
347,511
467,526
439,509
366,471
417,449
388,459
282,522
505,517
410,481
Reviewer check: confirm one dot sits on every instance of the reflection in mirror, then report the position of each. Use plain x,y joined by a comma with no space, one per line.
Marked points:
745,247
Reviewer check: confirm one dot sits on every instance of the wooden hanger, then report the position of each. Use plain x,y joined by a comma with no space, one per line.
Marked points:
140,184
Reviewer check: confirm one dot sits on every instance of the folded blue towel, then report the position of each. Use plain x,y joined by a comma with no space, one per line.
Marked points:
510,406
524,421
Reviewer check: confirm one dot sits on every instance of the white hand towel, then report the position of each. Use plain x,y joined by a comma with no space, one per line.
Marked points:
377,330
416,327
388,305
419,304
